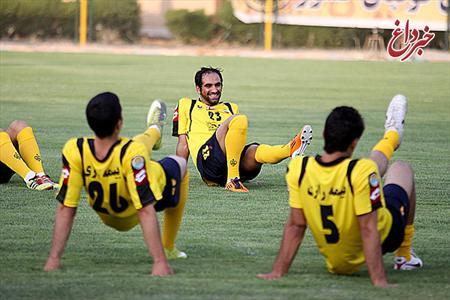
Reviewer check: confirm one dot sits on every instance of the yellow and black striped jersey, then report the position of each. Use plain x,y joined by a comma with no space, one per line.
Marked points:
332,196
199,121
117,186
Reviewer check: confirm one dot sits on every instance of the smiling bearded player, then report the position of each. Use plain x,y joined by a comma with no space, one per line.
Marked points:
215,133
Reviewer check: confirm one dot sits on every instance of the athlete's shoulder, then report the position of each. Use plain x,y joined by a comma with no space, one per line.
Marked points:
364,165
233,107
364,172
73,149
74,144
185,101
130,148
71,143
295,167
295,162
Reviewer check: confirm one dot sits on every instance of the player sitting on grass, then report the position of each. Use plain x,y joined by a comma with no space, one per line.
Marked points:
19,153
124,186
214,133
353,218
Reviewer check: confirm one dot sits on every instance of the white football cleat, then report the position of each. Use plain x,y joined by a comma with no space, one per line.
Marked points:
395,116
301,141
157,115
400,263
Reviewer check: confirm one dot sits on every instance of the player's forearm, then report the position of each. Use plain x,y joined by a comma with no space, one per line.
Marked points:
182,147
374,261
292,237
152,236
63,225
372,252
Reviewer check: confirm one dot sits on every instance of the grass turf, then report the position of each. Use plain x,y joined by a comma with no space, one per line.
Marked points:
229,237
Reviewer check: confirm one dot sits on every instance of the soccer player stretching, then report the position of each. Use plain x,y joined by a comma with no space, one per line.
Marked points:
352,216
214,133
124,186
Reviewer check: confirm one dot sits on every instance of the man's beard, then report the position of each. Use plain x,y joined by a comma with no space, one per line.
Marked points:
214,101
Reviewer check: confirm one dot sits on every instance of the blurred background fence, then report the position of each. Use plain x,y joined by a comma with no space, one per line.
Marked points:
208,22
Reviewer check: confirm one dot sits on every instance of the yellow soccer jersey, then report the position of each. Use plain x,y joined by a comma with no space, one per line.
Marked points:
125,181
199,121
331,206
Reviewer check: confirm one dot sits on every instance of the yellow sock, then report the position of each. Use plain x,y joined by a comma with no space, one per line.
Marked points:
10,157
173,216
148,138
388,144
405,248
29,150
266,154
234,143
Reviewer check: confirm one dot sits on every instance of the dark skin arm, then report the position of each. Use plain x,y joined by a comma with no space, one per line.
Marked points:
293,234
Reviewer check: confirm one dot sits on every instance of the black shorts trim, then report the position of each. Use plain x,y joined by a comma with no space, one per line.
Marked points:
212,163
171,192
5,173
397,202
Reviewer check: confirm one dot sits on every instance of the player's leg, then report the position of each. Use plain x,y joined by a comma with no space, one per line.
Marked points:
255,155
394,126
174,215
11,158
267,154
231,135
401,174
149,138
29,150
156,117
27,145
248,162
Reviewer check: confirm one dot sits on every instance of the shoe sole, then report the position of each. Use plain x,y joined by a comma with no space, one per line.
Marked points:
398,103
162,113
161,120
42,187
306,138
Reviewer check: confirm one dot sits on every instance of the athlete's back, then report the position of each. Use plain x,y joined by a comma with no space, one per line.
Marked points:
332,195
117,186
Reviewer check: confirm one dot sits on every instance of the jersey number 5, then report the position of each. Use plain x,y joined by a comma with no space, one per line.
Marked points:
327,211
96,192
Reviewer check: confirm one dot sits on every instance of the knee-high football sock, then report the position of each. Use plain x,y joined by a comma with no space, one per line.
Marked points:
405,248
173,216
29,150
266,154
149,138
10,157
388,144
234,144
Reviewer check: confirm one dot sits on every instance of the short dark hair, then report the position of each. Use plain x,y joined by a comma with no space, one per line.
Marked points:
343,125
206,70
103,112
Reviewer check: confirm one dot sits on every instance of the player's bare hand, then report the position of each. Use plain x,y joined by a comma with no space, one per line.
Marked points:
161,269
52,264
270,276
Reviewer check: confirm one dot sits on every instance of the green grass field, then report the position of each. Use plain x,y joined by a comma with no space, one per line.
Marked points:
229,237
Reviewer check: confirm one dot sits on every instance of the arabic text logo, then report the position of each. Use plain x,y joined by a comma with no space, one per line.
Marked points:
411,43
